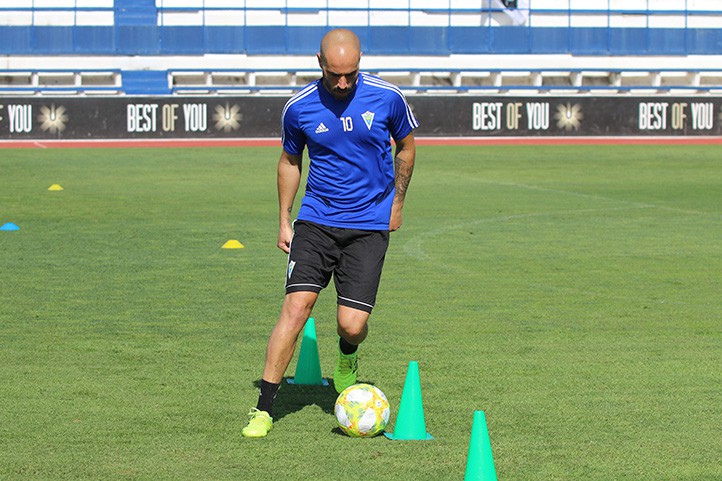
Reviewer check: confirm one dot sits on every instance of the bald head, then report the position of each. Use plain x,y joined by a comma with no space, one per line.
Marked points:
340,43
339,59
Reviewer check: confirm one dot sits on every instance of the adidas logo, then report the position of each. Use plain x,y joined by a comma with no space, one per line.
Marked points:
321,128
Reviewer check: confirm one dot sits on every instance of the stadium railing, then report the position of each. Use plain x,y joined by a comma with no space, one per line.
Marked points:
413,81
61,81
461,80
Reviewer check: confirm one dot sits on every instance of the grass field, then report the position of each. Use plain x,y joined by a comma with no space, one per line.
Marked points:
573,293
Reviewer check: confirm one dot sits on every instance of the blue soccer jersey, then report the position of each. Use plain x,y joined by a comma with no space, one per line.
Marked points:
351,174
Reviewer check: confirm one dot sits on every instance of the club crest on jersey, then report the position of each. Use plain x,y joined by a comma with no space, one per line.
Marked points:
368,118
291,265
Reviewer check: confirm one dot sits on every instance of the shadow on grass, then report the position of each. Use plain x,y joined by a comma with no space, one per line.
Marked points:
294,397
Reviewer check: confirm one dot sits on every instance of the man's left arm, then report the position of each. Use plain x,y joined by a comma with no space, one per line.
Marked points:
403,168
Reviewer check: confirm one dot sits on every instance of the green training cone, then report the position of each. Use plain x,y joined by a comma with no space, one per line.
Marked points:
308,369
480,462
410,424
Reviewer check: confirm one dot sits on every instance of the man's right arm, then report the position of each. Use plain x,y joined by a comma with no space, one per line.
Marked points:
289,179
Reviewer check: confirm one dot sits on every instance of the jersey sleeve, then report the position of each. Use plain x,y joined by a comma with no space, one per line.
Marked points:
293,139
402,119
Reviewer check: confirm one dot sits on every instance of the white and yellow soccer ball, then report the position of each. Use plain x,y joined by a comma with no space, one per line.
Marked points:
362,410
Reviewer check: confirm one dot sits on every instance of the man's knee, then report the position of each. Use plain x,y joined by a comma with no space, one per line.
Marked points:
298,305
352,324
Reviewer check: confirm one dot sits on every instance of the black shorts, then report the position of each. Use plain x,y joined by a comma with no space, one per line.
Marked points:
354,258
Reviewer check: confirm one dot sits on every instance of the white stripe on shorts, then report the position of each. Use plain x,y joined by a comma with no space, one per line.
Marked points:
356,302
307,285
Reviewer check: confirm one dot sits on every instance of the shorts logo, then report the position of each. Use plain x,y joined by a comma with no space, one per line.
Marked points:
291,265
368,118
321,128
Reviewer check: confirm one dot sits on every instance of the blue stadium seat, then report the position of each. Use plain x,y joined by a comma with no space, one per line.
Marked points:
145,82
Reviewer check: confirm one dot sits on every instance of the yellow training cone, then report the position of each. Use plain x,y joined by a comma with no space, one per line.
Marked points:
232,244
55,187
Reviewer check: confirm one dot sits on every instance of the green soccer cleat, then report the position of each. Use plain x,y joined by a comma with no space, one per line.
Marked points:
259,425
346,371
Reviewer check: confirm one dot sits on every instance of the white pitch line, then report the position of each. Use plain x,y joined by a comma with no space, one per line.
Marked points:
413,247
594,196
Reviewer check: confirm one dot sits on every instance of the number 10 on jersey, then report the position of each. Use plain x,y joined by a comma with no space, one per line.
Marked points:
347,123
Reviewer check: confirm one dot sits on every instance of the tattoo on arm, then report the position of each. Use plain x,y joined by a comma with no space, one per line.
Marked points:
404,169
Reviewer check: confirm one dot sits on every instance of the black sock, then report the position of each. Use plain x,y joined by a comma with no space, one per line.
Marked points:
347,347
267,396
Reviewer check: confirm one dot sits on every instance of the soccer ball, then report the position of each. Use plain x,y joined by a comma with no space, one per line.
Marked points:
362,411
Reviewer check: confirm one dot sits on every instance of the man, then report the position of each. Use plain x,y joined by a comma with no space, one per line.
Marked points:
354,196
